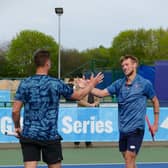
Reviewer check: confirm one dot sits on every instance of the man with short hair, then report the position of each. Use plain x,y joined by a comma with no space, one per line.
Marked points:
132,92
40,95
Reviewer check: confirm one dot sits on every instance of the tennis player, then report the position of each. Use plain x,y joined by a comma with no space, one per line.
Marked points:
132,93
40,95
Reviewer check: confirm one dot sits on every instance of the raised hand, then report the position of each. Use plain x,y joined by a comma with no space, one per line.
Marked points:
97,79
83,82
18,132
154,128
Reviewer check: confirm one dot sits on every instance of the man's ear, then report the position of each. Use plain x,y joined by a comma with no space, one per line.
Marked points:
48,63
135,65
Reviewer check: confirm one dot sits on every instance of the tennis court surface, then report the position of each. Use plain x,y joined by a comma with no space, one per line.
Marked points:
95,157
139,165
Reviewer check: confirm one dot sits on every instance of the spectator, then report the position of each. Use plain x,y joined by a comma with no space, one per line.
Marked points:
88,101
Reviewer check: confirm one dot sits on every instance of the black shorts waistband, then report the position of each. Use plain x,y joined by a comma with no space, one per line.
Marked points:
137,130
39,142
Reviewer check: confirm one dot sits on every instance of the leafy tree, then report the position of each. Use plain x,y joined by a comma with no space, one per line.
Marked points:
88,60
3,62
98,58
72,63
148,45
129,42
21,51
162,36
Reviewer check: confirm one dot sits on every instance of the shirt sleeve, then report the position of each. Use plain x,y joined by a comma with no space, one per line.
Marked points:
20,93
66,90
113,88
149,90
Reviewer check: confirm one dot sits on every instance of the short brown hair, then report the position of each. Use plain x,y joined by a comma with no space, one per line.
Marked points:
40,57
133,58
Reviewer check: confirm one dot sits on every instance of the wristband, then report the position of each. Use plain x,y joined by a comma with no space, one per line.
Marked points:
156,113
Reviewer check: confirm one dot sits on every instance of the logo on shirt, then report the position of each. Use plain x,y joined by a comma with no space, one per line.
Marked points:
136,86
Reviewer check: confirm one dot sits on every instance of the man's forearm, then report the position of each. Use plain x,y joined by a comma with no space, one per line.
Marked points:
100,93
17,105
156,110
96,92
85,91
156,116
16,119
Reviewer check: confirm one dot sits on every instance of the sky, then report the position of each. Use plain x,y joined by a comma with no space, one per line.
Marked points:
85,24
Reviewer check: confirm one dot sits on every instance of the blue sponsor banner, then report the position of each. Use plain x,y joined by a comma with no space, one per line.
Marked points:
5,97
6,124
162,134
87,124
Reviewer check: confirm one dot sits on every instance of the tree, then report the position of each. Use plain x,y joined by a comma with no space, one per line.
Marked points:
162,36
4,68
148,45
97,58
129,42
88,60
72,62
21,51
3,62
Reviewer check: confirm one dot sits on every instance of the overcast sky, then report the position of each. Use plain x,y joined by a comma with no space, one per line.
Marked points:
85,23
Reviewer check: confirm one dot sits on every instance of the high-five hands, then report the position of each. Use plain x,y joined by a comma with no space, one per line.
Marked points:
83,82
97,79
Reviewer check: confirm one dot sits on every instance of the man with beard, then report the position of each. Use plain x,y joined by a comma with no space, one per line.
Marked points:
132,92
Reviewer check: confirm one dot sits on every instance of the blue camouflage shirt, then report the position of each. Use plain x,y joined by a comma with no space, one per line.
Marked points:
132,102
40,95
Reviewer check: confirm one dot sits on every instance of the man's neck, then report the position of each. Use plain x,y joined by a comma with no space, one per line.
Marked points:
41,71
131,78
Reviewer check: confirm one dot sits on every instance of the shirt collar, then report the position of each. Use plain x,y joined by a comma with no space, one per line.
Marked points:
135,79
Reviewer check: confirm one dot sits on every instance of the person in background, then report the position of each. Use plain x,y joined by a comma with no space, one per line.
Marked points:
71,83
88,101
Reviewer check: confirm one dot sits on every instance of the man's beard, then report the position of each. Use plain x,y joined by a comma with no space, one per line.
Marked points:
129,74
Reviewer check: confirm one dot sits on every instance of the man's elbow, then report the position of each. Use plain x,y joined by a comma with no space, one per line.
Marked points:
155,101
